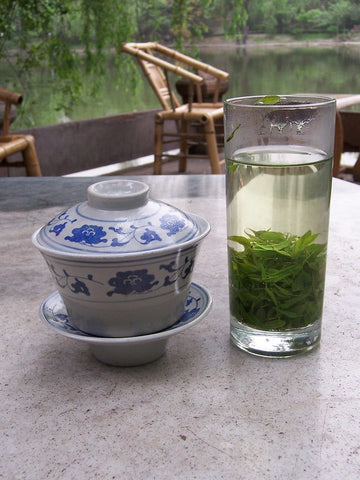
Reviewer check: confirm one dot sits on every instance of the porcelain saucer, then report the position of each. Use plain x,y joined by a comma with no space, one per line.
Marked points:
127,351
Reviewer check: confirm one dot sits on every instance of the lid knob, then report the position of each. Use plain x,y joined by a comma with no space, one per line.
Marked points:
117,194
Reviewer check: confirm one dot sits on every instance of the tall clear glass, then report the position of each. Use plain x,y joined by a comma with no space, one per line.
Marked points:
279,155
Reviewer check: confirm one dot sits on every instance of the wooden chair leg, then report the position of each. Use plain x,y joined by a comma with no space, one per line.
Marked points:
212,147
30,158
338,147
356,170
159,126
183,146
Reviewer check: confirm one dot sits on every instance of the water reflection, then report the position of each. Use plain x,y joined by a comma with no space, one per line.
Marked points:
288,70
252,71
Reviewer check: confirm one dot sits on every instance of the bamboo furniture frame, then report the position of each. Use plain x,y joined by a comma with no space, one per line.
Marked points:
351,142
195,121
343,101
10,144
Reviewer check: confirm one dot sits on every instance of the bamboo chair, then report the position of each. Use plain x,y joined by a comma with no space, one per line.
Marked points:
11,144
343,101
195,121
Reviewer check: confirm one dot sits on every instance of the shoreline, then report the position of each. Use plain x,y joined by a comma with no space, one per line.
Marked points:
266,41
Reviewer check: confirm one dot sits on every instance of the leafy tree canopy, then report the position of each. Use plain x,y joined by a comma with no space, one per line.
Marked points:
68,34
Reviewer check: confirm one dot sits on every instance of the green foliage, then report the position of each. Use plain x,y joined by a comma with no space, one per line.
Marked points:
314,20
290,16
235,18
272,16
343,15
69,36
189,21
277,280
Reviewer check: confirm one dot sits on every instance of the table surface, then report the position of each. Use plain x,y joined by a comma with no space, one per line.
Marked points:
205,410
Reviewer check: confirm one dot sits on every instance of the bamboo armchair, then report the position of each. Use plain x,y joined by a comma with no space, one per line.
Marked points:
195,121
352,130
11,144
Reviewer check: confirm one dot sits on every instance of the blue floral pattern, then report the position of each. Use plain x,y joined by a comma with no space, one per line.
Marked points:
136,281
150,236
172,223
155,229
192,308
54,312
181,272
142,234
76,284
79,287
88,234
57,229
64,219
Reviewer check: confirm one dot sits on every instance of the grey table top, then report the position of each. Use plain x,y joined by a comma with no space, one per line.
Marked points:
205,410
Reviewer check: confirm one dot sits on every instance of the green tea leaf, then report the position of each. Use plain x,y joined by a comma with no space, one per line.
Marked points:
230,137
232,167
277,279
269,100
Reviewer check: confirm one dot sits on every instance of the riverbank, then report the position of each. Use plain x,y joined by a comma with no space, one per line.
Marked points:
266,40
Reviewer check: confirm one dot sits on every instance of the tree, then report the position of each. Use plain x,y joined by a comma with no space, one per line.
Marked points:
343,14
291,16
189,21
272,16
235,14
314,20
33,33
68,35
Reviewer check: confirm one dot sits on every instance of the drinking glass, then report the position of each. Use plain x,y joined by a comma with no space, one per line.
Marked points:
279,155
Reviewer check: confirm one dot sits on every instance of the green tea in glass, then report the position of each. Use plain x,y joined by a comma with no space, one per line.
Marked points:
279,154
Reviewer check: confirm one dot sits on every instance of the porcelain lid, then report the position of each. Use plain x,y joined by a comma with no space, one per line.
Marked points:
118,217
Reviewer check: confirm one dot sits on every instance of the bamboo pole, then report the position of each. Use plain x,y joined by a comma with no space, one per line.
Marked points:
162,63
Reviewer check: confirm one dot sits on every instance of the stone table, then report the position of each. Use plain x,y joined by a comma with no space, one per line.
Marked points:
205,410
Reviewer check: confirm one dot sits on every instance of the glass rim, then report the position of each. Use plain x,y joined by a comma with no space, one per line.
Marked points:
312,100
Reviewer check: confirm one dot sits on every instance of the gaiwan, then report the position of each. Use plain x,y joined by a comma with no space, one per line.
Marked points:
121,261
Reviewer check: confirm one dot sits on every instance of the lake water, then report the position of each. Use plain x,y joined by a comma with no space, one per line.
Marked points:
256,70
